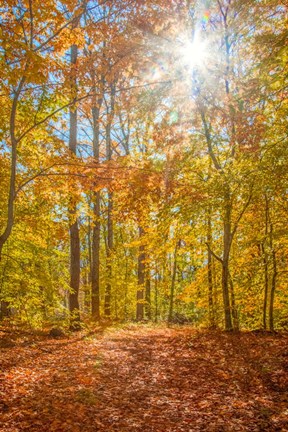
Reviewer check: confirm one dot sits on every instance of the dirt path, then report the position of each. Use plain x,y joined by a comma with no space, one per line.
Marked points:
143,379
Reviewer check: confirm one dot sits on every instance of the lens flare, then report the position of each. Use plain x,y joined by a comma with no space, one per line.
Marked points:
206,17
193,53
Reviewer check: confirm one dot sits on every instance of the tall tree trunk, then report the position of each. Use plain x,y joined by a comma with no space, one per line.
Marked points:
13,165
227,232
110,242
74,275
233,304
157,275
226,297
126,287
272,293
95,271
266,285
266,267
148,295
5,310
172,288
141,279
11,197
227,237
274,266
210,272
110,234
89,264
74,229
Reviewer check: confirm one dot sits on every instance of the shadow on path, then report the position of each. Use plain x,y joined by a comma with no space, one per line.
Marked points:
149,380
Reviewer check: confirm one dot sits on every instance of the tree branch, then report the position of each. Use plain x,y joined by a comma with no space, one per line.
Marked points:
240,215
214,254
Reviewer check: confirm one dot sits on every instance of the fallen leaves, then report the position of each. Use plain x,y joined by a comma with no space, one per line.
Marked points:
145,379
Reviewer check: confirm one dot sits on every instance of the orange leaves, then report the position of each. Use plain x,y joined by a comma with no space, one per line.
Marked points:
148,379
70,37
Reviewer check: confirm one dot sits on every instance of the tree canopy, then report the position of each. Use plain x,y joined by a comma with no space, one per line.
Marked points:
143,162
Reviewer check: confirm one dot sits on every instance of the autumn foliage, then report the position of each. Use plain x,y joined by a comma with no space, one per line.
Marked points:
143,158
144,379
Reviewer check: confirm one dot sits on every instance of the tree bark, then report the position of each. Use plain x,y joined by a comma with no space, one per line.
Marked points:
266,286
12,184
266,267
233,305
5,310
95,273
274,266
110,234
74,229
227,231
272,293
227,238
172,288
148,295
74,276
226,298
156,294
110,243
141,279
210,272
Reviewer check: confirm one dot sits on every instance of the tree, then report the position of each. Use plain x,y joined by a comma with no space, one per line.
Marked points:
28,89
154,134
73,228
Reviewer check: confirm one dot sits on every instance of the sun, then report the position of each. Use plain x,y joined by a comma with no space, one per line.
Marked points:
193,53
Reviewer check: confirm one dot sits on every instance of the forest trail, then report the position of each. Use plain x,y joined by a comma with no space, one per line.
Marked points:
146,379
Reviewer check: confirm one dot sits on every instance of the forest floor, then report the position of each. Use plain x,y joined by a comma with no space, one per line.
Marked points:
140,378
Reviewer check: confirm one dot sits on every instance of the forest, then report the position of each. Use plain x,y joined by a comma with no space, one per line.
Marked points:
144,162
143,215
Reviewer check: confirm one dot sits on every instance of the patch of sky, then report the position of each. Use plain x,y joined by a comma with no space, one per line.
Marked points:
58,213
157,156
175,210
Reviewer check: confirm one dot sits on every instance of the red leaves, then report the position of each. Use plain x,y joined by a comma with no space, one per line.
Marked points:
142,379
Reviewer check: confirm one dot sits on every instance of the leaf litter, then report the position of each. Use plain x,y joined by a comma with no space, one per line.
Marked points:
146,379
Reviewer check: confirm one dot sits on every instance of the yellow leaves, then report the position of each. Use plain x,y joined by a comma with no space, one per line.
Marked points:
69,37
